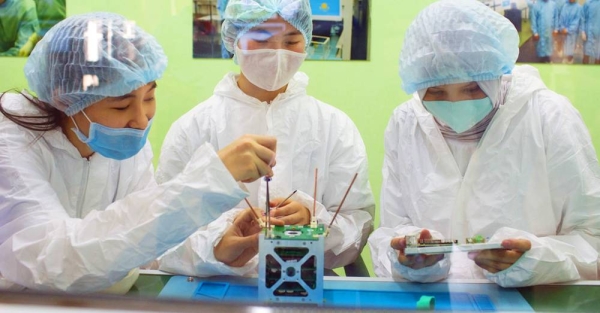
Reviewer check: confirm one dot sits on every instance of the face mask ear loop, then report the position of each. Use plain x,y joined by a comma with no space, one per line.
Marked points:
75,123
76,126
82,111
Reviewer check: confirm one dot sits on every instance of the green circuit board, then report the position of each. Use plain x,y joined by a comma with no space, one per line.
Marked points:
297,232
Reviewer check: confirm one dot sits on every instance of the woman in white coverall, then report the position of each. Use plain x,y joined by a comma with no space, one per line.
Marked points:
269,39
484,148
79,207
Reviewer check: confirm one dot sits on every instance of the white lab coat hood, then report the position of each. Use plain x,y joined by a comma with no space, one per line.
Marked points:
534,170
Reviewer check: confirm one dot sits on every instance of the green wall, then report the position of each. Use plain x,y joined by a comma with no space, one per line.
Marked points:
367,91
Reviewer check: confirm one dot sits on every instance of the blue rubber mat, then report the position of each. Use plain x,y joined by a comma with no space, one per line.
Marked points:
360,294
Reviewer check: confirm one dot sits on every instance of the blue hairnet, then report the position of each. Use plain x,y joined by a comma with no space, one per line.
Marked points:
242,15
56,68
457,41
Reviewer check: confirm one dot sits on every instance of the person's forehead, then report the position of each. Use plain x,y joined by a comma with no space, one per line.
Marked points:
276,24
452,86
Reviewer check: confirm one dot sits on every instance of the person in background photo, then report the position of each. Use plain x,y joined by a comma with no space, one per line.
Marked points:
49,13
544,24
591,31
568,25
18,22
559,38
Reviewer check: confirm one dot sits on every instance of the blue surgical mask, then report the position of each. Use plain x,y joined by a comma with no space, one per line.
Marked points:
113,143
460,115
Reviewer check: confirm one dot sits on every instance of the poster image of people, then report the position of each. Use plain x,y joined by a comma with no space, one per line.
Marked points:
554,31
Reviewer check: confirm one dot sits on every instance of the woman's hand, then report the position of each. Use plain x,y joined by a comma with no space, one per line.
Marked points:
240,242
249,157
290,212
497,260
417,261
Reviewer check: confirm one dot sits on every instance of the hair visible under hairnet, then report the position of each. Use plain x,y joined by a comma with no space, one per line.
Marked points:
242,15
59,73
457,41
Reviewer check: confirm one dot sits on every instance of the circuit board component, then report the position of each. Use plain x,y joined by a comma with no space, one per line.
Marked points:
414,245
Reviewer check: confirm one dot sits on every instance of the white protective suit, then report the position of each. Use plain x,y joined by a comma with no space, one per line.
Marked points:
310,134
72,224
534,175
